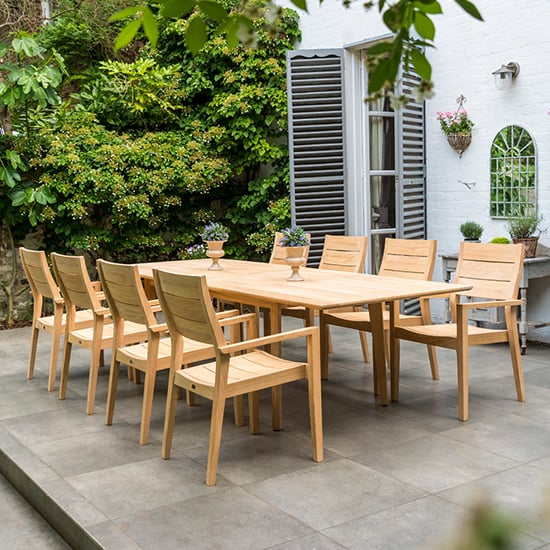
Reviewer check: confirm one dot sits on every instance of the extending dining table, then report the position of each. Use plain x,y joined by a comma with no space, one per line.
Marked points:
265,285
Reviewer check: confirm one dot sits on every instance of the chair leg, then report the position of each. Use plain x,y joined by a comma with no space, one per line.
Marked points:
111,392
147,406
462,363
254,412
433,362
32,355
515,354
277,408
364,346
65,368
169,419
216,422
56,339
238,410
395,360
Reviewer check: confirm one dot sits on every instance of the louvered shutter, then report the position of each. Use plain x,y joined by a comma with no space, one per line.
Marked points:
412,172
316,142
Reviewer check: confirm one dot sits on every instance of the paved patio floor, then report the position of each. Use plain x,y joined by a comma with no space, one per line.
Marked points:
405,476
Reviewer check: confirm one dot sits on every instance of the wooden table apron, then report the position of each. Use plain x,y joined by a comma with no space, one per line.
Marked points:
265,285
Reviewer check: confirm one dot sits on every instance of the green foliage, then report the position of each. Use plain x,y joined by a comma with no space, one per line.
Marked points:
214,231
471,230
524,226
409,22
294,236
123,197
500,240
141,95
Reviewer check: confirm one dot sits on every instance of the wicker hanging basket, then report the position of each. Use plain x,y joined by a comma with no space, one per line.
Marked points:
459,142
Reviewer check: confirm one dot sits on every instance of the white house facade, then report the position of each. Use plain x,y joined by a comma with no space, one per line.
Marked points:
455,188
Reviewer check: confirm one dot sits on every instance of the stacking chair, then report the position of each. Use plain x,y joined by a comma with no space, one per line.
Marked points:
80,292
406,258
239,368
494,271
340,253
43,286
128,302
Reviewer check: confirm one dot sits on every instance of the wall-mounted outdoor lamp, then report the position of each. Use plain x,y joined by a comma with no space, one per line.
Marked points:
504,75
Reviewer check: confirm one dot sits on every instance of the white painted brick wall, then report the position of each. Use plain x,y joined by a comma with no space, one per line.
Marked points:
467,52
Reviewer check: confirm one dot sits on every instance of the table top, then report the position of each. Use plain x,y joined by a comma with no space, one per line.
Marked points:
263,283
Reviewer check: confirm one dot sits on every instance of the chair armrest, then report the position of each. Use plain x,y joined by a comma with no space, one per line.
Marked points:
492,303
265,340
96,285
105,311
100,295
236,319
161,327
225,314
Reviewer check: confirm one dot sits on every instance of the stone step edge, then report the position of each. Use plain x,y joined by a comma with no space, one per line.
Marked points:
66,526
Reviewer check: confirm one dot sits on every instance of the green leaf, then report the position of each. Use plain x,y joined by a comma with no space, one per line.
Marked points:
213,10
150,26
18,198
379,75
421,64
126,13
127,34
429,6
302,4
379,49
177,8
468,7
196,35
424,25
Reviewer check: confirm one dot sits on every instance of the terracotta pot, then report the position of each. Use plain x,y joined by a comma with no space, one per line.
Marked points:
530,244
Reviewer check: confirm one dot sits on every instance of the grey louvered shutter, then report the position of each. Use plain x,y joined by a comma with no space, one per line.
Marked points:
316,142
412,196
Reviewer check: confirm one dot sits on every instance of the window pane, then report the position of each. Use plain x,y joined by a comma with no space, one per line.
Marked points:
382,195
382,143
513,173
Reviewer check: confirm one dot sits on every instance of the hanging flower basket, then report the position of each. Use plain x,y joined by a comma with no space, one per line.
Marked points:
459,142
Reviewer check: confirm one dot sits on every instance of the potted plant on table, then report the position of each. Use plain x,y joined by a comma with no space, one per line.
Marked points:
214,235
471,231
526,230
295,241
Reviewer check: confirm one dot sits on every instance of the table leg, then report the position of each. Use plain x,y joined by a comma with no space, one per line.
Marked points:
523,326
272,325
378,352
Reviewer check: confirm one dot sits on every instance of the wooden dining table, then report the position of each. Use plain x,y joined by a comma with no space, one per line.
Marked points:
265,285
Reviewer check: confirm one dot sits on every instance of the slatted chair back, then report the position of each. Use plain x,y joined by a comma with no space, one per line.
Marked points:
344,253
408,258
74,281
493,270
125,293
39,276
188,308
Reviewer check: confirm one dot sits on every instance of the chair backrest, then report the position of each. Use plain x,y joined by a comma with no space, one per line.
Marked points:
74,281
38,274
344,253
408,258
187,307
125,293
493,270
278,253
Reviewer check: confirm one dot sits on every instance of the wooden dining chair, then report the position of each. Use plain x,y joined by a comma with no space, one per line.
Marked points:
340,253
239,368
79,292
44,287
404,258
128,302
494,271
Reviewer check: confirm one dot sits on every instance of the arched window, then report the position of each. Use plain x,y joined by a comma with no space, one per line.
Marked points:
513,173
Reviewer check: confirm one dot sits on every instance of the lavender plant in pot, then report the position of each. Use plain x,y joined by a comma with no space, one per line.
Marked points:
295,242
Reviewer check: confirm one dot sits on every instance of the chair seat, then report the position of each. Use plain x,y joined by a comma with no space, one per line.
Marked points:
245,374
448,331
136,355
133,332
84,319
